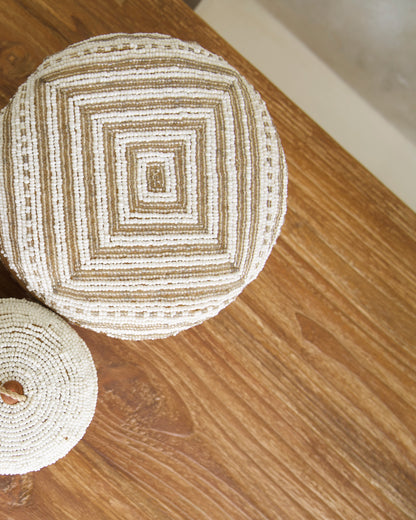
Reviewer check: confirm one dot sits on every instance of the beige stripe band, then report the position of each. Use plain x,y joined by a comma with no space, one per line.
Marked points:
142,184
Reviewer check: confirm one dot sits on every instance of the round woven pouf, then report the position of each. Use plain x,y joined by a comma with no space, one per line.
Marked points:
48,387
142,184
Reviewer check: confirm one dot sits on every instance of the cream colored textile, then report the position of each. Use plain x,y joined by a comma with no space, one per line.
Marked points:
142,184
55,368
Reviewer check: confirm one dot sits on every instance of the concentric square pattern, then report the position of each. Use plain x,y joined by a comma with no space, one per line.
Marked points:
154,188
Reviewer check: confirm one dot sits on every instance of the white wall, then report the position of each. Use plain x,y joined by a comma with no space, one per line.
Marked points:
318,90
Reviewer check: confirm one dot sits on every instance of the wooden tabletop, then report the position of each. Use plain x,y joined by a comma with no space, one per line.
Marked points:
298,400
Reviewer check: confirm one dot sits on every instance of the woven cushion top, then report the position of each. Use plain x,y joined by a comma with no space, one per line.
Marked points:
142,184
58,378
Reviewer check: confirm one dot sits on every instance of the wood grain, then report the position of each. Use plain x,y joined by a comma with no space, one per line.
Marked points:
297,401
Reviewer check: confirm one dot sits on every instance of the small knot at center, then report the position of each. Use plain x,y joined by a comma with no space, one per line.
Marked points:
11,392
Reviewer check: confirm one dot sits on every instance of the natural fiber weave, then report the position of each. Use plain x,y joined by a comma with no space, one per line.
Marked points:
142,184
52,363
4,391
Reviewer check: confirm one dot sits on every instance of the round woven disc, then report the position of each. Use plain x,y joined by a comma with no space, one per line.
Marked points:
55,368
142,184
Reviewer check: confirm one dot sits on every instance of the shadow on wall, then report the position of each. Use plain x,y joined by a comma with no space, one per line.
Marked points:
192,3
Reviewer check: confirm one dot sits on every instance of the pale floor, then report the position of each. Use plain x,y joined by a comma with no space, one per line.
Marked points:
369,134
371,45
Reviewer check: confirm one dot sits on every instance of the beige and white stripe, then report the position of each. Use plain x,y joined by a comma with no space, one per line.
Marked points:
142,184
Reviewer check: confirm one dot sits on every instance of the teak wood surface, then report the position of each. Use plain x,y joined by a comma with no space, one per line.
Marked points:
298,400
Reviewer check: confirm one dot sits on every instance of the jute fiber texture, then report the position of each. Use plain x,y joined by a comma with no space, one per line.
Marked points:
142,184
55,368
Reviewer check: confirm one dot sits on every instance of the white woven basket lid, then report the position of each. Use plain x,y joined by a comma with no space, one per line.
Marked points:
142,184
54,367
